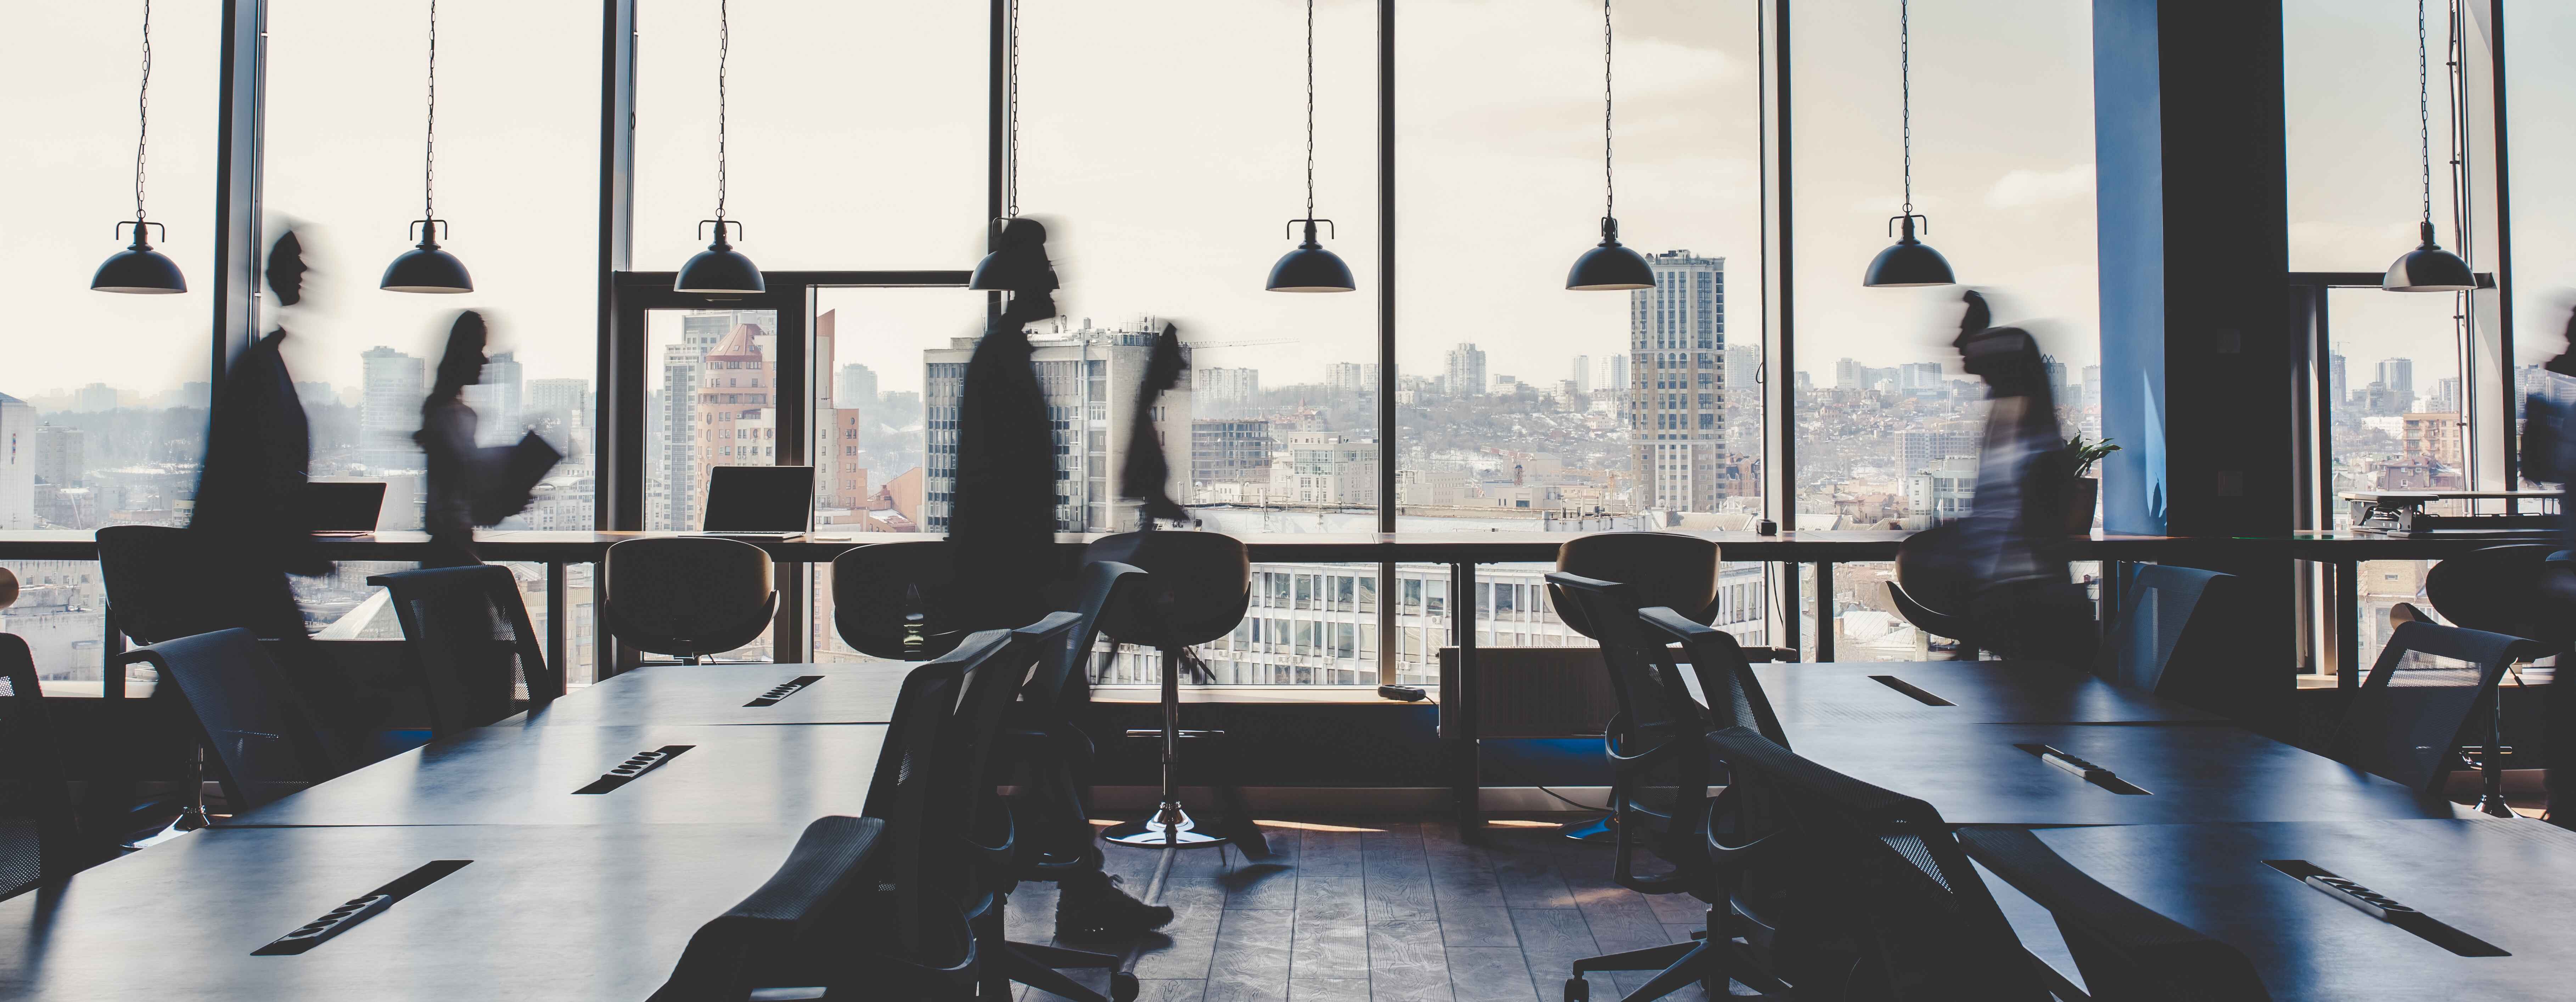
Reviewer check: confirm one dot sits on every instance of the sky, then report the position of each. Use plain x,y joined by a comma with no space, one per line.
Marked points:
1166,166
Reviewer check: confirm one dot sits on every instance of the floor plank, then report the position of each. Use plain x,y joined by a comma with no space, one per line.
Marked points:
1252,955
1328,990
1331,937
1407,963
1490,974
1398,886
1190,939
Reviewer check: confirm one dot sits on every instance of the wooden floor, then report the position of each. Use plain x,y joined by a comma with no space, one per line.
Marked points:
1374,909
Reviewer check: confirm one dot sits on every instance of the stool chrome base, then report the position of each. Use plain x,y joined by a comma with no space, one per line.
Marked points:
1169,828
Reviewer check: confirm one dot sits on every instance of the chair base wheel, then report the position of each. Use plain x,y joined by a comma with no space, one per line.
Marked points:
1577,990
1123,987
1169,828
1601,829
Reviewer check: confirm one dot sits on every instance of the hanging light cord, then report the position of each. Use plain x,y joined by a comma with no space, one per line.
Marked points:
1011,122
1609,188
2424,110
1310,109
1905,92
724,52
2459,129
143,113
429,149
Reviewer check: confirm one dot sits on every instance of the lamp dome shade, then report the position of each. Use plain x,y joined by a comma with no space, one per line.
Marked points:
1310,269
2429,268
139,269
719,268
1908,263
1610,267
426,269
1018,262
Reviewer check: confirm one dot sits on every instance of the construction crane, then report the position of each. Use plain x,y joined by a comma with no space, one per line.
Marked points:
1238,344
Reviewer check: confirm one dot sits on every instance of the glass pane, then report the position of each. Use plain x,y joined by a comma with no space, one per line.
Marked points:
2541,94
856,132
1889,424
2348,77
61,614
711,399
1530,407
2395,378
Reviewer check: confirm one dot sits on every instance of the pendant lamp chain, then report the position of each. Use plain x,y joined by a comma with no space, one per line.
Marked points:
1905,92
1310,109
1011,122
2424,110
724,52
1609,189
143,112
429,149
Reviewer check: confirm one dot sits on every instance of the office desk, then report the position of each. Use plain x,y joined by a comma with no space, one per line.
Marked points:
847,693
548,912
2510,883
520,774
1981,692
1975,775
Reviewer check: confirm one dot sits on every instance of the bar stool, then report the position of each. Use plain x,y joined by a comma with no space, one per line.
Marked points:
1202,582
1932,597
2499,589
687,596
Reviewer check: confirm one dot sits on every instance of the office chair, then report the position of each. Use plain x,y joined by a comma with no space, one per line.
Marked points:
886,599
1879,902
40,838
2174,639
2497,589
1734,697
1053,744
162,585
687,596
264,740
471,649
1929,592
2430,685
2126,951
766,940
1659,779
1202,582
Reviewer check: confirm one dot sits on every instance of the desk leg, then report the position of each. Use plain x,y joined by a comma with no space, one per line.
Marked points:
2347,624
111,664
1824,610
1789,610
1458,708
558,620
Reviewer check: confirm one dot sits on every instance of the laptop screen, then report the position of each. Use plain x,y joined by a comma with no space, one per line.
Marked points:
759,498
342,505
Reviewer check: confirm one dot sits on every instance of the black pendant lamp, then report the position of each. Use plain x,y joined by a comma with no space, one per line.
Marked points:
1908,262
1608,267
720,268
426,268
2427,268
1310,268
138,268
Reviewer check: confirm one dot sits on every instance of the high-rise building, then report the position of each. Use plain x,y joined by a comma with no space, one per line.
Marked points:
674,486
96,397
858,385
565,399
1465,370
1610,374
1351,377
2445,398
1325,469
496,398
1218,388
1582,374
2093,385
1230,450
737,406
2056,375
62,455
2398,374
391,411
1922,377
1677,366
1091,376
17,463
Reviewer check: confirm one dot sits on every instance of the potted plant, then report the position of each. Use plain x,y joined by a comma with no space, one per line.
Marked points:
2085,491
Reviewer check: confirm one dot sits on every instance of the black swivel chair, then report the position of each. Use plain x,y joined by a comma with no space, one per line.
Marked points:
1202,582
1886,906
2174,638
1055,748
2432,685
2126,951
886,599
771,937
687,596
264,740
40,838
472,651
1929,592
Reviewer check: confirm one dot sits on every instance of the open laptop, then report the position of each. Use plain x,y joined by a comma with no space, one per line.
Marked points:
759,502
342,509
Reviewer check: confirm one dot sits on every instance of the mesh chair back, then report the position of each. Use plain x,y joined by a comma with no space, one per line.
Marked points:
2126,951
754,943
1202,583
473,653
875,587
1061,681
263,736
2166,641
1659,775
2498,589
2429,683
687,596
39,840
1667,569
922,789
993,686
1726,679
1882,870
